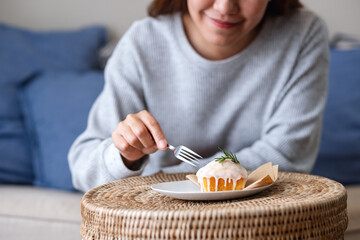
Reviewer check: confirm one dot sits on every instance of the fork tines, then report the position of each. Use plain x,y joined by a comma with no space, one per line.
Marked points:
189,156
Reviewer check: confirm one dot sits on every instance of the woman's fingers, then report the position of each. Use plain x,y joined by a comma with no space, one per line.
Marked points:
126,132
150,150
139,134
154,128
140,131
126,150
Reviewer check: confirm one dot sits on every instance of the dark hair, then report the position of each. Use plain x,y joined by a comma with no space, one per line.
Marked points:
275,7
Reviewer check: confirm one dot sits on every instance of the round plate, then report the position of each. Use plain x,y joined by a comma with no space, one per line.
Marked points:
186,190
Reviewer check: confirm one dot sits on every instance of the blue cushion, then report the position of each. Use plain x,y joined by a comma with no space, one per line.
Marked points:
339,155
15,162
9,104
24,51
56,106
24,54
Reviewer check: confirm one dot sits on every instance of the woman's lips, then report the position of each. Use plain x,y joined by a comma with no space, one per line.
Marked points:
222,24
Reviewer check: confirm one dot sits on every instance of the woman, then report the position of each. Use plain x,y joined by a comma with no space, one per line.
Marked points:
249,76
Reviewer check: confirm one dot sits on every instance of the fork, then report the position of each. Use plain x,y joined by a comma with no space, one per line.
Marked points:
185,154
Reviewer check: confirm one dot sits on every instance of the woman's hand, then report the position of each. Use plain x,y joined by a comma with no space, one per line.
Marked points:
139,134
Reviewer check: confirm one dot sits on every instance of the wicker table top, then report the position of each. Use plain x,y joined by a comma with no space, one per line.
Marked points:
297,206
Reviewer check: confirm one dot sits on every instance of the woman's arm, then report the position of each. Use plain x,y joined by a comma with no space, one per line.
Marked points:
93,158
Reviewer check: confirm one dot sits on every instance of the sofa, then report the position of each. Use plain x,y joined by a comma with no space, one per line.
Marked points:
48,82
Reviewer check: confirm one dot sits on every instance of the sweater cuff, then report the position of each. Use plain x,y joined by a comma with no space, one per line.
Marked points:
116,166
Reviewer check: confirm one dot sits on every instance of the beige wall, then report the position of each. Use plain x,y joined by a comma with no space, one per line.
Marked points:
117,15
340,15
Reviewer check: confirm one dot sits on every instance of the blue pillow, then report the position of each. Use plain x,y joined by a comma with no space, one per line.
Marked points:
56,107
24,51
339,155
24,54
15,162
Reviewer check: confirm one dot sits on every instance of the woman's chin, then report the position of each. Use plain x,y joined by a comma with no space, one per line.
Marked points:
221,41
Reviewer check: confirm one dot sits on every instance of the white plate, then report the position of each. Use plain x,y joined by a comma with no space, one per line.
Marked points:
187,190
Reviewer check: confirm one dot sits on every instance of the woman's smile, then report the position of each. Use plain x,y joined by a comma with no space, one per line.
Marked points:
224,24
218,29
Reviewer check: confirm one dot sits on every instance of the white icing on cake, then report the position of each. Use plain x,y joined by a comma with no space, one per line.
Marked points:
227,170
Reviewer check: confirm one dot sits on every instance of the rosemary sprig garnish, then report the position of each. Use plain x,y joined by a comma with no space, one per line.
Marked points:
229,155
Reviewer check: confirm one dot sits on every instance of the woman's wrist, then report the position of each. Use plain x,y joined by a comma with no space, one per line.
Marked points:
133,164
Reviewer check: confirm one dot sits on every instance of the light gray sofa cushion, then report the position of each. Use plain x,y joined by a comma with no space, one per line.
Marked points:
28,212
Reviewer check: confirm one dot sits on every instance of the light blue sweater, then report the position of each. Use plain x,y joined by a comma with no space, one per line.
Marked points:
263,104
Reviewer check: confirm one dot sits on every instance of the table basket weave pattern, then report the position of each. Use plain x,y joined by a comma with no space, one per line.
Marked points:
297,206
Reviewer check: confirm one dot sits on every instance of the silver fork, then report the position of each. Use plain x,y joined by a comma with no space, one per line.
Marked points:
185,154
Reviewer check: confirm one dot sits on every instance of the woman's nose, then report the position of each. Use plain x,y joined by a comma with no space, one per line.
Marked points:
226,6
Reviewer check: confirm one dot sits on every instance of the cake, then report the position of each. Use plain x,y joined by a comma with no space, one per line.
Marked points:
222,174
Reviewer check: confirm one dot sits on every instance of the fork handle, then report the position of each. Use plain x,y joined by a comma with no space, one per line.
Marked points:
171,147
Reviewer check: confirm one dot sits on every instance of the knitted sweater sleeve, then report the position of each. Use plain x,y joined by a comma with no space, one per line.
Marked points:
93,158
291,134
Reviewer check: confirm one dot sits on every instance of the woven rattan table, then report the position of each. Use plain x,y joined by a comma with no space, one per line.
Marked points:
297,206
